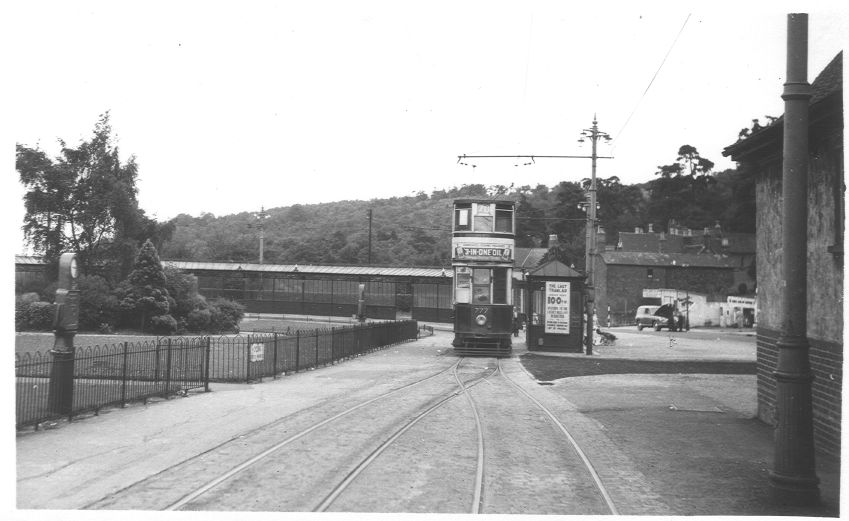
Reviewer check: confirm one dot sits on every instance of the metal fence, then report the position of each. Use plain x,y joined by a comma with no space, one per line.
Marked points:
246,358
117,374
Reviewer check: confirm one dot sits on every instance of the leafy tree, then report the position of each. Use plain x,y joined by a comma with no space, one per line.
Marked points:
144,294
677,193
85,201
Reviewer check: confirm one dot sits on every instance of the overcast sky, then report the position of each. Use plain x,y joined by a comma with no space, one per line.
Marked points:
229,106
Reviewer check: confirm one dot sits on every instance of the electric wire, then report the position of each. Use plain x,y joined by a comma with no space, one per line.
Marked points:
622,130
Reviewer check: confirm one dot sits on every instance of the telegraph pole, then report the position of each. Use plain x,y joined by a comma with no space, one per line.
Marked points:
594,134
369,236
261,216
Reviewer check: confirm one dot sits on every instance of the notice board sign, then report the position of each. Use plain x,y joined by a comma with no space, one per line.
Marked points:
257,352
557,297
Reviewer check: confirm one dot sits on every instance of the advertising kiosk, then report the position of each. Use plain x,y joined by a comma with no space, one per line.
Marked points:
555,308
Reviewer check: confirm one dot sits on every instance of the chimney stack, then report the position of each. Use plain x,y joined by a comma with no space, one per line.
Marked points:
651,228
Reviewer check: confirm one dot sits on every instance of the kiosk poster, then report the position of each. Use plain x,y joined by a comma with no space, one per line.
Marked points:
557,307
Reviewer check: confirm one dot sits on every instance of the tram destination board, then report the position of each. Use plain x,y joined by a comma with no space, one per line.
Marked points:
557,296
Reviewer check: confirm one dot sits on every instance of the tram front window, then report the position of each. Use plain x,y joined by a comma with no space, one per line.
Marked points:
481,286
483,218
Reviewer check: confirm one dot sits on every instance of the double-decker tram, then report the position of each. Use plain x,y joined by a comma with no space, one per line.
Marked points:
482,245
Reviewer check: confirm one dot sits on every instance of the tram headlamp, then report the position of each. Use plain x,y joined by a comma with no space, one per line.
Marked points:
480,320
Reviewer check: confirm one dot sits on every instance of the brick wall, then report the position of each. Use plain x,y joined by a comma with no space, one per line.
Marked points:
827,367
623,286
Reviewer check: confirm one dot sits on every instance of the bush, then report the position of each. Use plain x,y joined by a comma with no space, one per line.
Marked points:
28,298
198,320
163,324
182,288
98,306
225,315
34,316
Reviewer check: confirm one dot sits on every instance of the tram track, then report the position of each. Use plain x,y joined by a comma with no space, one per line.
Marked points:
599,484
392,456
463,389
180,468
189,470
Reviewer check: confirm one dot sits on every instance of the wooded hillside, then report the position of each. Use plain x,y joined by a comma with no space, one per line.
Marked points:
415,230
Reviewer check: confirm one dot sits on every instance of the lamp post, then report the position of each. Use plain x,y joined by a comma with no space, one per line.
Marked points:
793,476
593,134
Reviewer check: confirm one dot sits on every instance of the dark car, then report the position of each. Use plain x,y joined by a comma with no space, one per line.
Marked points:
664,316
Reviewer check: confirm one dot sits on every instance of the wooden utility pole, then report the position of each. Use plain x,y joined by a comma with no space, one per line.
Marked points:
593,134
261,216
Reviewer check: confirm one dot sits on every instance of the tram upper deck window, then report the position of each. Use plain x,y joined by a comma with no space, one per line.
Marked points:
483,217
504,218
463,216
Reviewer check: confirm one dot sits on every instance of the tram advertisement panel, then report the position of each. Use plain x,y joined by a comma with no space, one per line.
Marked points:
557,295
490,249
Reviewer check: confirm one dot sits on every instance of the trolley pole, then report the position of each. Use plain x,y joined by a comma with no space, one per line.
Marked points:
594,134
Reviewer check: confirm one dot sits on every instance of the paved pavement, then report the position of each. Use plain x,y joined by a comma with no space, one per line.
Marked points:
691,437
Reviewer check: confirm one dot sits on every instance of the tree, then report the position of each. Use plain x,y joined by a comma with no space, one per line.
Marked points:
144,294
85,201
679,190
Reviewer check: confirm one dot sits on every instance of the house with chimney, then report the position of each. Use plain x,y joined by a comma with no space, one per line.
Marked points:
697,271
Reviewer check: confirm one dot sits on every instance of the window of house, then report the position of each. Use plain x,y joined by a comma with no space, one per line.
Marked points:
651,273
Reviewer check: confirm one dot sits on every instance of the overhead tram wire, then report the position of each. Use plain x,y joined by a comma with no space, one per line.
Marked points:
675,41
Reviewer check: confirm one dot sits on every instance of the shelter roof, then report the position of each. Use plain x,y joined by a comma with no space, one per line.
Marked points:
308,268
528,257
555,268
828,85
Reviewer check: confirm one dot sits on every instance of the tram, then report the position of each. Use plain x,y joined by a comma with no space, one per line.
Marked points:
482,246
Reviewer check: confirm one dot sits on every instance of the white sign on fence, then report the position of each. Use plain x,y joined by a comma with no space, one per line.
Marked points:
557,296
257,352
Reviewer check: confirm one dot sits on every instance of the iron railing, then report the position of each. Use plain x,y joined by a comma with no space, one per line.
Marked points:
117,374
246,358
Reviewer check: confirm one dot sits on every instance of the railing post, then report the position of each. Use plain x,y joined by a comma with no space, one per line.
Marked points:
167,368
206,368
274,371
297,350
248,360
124,378
156,364
332,344
316,348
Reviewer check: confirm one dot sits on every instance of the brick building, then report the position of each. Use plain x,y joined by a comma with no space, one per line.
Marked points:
762,151
709,262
